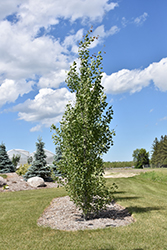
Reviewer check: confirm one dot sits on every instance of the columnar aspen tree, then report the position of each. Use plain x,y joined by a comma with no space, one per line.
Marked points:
84,133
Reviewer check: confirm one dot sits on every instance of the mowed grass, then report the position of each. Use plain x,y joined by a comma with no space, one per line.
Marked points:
146,199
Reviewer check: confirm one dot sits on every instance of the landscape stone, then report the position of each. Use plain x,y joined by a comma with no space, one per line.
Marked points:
2,181
36,182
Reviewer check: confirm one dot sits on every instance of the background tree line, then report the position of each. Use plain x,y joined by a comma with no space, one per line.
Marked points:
159,152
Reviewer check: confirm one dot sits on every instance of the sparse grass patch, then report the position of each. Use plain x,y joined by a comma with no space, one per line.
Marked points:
3,176
145,199
158,175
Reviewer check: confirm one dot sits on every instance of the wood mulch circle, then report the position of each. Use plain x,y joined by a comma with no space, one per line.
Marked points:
62,214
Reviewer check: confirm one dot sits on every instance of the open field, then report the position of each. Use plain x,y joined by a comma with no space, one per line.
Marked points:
144,195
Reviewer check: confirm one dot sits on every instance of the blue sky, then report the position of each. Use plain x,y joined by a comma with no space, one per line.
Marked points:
39,42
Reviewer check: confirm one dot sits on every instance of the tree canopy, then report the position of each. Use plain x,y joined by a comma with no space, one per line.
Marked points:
84,134
140,157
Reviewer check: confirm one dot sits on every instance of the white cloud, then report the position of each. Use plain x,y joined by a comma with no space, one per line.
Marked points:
158,73
134,80
124,22
10,90
70,42
164,118
52,79
9,7
24,55
101,33
36,128
141,19
42,13
46,108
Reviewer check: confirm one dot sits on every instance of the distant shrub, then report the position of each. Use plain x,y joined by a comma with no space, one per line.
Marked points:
23,169
118,164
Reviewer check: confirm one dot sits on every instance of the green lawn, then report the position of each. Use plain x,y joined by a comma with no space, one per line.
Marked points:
144,196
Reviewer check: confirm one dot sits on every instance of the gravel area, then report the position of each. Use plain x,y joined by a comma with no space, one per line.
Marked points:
17,183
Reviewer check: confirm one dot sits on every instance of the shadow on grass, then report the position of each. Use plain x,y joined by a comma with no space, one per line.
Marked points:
138,249
127,198
137,209
108,248
119,192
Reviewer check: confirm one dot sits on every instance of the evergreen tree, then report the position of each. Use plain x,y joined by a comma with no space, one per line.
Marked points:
39,167
84,133
164,151
155,152
57,158
6,165
159,152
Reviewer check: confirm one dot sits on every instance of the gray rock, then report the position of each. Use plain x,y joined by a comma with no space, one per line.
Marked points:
2,181
36,182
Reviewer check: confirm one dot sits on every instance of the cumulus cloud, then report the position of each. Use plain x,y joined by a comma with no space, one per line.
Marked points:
102,33
9,7
141,19
46,108
52,79
134,80
36,128
10,90
25,54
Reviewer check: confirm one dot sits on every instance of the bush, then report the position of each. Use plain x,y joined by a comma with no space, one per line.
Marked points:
118,164
23,169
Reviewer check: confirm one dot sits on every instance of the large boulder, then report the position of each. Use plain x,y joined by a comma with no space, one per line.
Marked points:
36,182
2,181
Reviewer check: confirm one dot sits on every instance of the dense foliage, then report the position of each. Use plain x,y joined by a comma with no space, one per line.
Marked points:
84,133
39,167
6,165
140,158
159,152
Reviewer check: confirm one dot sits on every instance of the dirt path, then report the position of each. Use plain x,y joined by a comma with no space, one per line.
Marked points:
124,172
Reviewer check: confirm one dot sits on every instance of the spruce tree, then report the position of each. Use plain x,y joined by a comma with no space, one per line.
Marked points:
155,153
84,133
6,165
39,167
164,151
57,158
159,152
